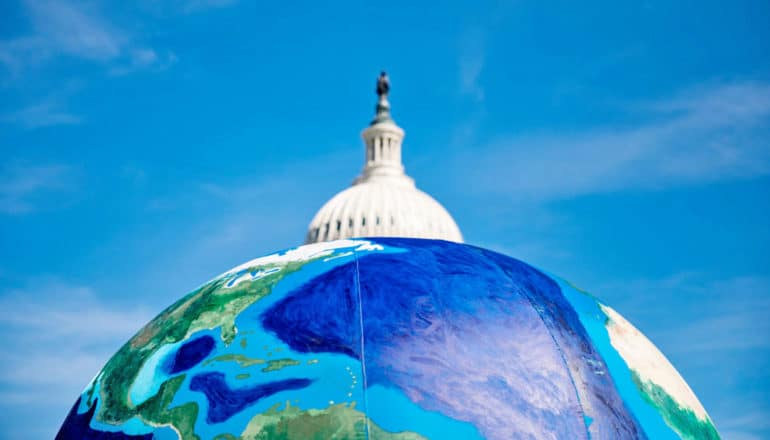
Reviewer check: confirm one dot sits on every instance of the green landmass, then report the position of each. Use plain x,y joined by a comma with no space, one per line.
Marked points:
312,361
155,410
242,376
242,360
245,361
91,389
209,307
244,343
342,422
277,364
682,420
584,292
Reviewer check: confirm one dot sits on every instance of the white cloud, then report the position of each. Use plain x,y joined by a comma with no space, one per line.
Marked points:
144,59
23,184
200,5
47,111
471,63
730,315
738,435
43,114
245,219
62,336
17,53
743,423
719,347
62,306
62,28
729,311
704,135
78,30
75,30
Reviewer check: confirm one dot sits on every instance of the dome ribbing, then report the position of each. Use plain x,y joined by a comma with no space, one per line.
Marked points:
383,200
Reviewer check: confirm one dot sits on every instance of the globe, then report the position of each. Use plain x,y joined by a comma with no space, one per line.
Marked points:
401,339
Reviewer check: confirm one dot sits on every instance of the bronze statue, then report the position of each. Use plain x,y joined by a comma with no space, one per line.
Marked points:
383,84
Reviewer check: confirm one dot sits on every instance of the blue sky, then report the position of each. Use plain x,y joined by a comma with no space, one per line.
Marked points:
146,146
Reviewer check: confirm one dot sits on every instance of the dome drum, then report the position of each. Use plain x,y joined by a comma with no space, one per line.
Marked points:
383,201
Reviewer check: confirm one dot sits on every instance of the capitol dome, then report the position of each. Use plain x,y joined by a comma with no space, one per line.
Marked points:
383,201
388,339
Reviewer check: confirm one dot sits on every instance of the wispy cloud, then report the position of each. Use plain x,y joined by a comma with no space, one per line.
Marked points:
75,29
48,110
23,185
144,59
62,335
229,220
78,30
745,424
200,5
729,311
62,28
708,134
723,345
61,307
471,63
46,113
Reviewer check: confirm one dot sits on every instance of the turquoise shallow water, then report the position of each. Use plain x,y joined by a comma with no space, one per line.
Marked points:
593,320
337,378
313,321
330,373
332,384
150,377
393,411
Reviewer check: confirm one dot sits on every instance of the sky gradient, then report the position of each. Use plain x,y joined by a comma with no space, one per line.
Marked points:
147,146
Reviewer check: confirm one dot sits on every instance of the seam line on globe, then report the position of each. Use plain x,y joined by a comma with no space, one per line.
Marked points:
563,360
363,352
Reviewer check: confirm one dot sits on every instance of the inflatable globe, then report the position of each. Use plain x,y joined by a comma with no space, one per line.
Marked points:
399,339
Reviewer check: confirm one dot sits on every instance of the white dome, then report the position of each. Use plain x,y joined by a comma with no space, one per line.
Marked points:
382,208
383,201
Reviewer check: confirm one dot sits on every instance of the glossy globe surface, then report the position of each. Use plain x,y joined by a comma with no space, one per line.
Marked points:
387,339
